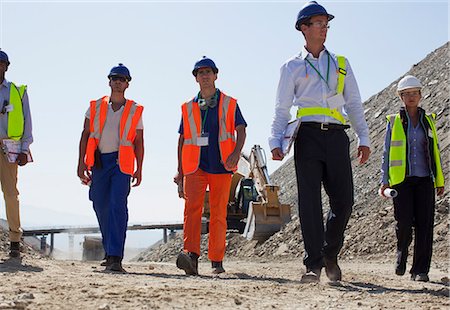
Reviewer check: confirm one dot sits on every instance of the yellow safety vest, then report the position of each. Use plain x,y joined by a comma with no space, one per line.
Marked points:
15,116
334,113
397,152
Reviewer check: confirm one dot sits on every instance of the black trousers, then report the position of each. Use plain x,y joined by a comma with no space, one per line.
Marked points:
322,156
414,207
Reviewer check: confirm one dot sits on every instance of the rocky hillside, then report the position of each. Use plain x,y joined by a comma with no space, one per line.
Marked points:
370,231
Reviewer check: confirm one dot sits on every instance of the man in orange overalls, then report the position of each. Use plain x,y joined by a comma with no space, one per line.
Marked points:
212,134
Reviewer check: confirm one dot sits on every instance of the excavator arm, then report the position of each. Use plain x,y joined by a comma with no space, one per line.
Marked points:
267,215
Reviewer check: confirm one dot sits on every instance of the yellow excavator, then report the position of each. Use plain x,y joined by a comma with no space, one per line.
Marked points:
253,206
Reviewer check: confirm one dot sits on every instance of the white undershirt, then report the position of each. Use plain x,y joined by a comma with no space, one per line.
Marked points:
109,140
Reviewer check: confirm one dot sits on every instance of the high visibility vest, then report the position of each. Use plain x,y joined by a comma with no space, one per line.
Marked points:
398,152
15,116
334,113
192,122
130,117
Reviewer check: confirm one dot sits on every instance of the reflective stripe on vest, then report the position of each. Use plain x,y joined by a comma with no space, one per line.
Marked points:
15,116
397,152
334,113
130,117
190,154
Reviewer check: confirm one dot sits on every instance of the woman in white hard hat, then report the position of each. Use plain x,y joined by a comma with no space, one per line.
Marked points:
412,166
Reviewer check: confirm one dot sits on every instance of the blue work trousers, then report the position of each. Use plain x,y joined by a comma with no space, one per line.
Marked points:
109,192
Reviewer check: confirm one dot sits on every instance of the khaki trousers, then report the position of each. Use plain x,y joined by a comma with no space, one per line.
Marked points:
8,179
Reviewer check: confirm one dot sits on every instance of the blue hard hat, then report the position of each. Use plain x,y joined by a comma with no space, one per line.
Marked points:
120,70
309,10
4,57
205,62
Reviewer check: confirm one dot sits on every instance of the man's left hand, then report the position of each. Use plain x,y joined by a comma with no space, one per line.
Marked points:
363,154
22,159
232,160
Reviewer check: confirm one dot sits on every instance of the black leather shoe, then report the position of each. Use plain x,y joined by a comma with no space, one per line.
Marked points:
332,269
14,249
400,264
311,276
421,277
400,269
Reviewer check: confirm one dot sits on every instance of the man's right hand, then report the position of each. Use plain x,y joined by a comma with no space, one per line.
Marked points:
83,173
178,179
277,154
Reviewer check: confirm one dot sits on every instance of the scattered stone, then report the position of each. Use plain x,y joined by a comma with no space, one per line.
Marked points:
26,296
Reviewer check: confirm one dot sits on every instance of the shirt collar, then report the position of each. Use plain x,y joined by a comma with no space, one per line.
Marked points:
217,94
304,52
5,83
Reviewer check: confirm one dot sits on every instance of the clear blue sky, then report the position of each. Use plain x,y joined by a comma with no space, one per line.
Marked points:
63,51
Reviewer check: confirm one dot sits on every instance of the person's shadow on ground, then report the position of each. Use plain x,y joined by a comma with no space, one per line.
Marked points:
379,289
15,264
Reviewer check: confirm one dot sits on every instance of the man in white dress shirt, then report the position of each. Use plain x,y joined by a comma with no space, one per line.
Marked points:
323,88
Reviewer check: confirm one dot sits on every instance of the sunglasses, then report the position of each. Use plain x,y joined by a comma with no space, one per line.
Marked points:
119,78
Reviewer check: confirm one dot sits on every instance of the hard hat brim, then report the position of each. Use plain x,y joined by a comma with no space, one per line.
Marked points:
118,74
194,72
302,19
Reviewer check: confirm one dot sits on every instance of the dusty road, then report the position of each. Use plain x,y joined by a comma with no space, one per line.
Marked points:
36,283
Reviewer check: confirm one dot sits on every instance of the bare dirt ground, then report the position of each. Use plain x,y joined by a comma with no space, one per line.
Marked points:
40,283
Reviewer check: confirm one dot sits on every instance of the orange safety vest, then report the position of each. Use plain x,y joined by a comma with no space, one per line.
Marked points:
190,154
130,118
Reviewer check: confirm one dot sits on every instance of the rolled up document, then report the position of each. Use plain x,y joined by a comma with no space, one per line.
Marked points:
389,192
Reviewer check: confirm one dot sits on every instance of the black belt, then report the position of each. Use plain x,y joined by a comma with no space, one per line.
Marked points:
325,126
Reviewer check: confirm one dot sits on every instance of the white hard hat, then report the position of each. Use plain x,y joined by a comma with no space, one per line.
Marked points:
407,82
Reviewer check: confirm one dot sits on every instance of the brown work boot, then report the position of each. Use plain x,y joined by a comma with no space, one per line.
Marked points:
116,264
217,267
14,249
188,262
312,275
332,269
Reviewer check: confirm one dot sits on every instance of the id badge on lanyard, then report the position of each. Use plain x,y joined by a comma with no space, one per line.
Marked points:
203,140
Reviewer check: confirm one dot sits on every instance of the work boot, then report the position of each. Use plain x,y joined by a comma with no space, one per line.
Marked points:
332,269
106,262
14,249
312,275
188,262
400,264
217,267
115,264
421,277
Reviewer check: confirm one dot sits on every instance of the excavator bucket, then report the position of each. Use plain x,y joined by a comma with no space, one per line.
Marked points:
266,218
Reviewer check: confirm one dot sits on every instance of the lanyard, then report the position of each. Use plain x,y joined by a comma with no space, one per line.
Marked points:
204,120
328,70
